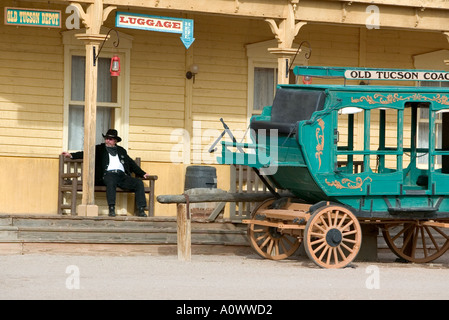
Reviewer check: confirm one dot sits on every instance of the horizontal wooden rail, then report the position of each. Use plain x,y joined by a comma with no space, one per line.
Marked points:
219,197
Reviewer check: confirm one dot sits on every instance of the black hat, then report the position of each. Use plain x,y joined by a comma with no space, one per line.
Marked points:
112,133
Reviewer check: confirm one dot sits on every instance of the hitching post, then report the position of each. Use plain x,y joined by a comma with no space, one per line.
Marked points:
184,234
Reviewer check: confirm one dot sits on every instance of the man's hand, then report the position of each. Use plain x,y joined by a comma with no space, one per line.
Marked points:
67,154
146,176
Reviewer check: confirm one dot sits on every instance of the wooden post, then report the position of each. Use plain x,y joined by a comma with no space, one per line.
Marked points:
93,18
184,233
284,57
88,207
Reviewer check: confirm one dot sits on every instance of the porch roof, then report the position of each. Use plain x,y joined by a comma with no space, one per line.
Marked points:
423,15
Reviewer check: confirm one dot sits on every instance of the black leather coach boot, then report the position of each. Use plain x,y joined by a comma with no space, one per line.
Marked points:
141,212
111,211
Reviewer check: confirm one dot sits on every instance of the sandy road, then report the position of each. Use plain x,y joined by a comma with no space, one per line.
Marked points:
206,277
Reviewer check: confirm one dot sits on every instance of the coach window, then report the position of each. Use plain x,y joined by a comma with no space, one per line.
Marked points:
350,127
367,140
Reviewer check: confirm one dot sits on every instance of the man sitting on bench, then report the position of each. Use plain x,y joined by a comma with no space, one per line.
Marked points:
113,168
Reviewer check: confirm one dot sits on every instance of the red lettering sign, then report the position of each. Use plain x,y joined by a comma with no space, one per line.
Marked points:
156,23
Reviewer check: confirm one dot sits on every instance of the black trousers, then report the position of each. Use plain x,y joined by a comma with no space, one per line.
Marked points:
112,180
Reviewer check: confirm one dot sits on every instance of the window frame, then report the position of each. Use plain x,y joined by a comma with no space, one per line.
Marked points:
114,106
253,76
120,116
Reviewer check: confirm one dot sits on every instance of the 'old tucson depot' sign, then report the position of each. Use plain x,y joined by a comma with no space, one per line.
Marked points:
161,24
33,17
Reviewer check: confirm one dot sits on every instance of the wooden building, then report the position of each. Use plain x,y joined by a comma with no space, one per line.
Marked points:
239,52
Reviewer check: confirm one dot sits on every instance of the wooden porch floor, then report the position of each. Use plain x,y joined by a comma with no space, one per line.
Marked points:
21,234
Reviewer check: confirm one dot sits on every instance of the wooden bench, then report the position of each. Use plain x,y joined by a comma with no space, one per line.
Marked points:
70,183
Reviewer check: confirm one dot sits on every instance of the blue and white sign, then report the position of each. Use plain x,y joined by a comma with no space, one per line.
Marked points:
160,24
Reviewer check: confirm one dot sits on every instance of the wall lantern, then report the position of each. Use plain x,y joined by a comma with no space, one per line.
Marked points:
192,72
115,66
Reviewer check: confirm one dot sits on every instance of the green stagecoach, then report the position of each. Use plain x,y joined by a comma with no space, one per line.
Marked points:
351,155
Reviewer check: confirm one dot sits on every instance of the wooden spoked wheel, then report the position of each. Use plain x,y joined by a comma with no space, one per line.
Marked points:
269,242
415,241
332,237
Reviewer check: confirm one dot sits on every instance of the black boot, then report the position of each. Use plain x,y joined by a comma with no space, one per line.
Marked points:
111,211
141,212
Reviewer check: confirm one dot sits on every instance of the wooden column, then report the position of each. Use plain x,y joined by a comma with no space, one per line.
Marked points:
88,207
284,57
93,19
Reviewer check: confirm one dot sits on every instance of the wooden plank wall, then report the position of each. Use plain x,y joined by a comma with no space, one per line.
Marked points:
156,93
31,91
31,117
158,67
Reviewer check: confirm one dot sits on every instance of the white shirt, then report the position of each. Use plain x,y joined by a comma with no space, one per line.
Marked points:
115,164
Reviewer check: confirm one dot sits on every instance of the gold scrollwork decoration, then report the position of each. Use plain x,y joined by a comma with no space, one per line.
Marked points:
319,133
391,98
348,183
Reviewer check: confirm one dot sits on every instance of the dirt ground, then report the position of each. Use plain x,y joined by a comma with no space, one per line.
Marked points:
215,277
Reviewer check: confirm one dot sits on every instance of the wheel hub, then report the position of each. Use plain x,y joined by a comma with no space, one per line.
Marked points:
334,237
274,233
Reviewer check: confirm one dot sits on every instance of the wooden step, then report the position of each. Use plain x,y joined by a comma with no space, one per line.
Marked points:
119,230
5,221
8,233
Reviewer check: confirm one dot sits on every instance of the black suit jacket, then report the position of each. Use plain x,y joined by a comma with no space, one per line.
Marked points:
102,162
